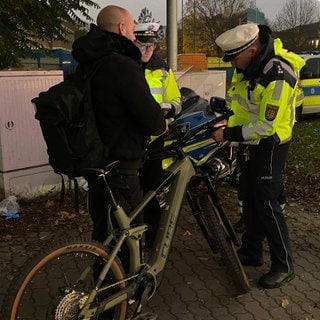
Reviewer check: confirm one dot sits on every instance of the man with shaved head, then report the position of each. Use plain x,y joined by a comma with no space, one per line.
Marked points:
117,20
126,113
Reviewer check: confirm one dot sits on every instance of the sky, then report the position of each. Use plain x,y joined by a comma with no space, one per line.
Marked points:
158,7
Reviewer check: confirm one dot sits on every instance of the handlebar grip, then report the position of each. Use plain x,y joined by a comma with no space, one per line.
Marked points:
223,116
218,104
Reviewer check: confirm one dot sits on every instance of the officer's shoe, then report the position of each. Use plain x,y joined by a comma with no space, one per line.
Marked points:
274,279
246,260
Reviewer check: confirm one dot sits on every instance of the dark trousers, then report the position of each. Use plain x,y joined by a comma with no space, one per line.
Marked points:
150,174
260,187
242,157
127,191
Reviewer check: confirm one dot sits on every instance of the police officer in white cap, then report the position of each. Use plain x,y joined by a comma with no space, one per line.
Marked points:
164,89
159,76
262,95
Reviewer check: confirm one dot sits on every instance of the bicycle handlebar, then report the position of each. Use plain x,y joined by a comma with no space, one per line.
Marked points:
176,147
208,126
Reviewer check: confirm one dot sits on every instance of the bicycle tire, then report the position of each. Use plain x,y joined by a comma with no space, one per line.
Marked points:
202,223
217,233
196,212
49,288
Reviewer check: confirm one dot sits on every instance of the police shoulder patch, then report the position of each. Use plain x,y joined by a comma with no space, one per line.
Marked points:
271,112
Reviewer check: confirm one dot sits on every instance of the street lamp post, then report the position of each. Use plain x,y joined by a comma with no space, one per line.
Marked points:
182,26
194,26
172,34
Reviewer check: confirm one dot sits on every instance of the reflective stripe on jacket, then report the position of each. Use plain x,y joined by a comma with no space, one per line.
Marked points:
163,87
264,105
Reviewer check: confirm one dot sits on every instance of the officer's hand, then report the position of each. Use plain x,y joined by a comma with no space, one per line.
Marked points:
168,110
217,133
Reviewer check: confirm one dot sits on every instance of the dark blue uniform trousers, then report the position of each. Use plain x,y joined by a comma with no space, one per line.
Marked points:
260,186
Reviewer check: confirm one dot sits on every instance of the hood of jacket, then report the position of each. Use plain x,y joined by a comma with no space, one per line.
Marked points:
273,47
155,63
293,59
98,43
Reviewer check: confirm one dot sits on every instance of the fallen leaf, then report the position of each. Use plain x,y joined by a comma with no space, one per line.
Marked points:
66,215
49,204
204,258
284,303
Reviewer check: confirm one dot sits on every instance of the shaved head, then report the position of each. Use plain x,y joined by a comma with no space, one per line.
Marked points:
117,20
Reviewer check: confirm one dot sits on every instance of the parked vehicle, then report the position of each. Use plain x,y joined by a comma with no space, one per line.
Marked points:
310,84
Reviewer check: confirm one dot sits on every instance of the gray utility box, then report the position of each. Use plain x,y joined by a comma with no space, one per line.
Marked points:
206,84
24,168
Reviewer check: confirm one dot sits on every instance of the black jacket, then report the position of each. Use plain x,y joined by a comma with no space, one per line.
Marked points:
126,112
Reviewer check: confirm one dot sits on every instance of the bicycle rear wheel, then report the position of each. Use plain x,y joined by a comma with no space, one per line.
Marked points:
55,284
215,232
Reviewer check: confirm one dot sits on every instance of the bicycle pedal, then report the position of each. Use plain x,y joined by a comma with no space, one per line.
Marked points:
146,316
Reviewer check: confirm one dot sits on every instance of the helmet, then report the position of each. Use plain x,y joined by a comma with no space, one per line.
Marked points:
147,32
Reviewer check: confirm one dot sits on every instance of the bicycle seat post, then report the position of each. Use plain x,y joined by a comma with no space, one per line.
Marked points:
109,191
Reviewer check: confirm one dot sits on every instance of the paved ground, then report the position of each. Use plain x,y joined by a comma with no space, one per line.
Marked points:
196,286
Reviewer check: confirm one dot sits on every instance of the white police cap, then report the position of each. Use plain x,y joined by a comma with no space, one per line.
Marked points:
236,40
146,32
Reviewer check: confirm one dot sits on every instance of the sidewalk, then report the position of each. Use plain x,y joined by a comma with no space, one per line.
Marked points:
196,287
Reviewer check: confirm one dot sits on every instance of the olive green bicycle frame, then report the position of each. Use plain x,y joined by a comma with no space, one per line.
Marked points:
178,176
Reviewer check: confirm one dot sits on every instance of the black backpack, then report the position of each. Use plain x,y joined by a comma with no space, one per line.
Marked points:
68,126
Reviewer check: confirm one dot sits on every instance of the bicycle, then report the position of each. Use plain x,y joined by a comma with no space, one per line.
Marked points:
81,278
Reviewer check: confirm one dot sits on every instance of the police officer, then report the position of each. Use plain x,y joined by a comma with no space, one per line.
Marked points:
159,76
262,96
165,91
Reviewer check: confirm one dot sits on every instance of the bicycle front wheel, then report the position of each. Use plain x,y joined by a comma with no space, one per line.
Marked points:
217,233
55,284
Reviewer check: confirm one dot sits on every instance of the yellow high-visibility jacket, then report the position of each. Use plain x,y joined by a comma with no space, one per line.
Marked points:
162,83
263,96
163,87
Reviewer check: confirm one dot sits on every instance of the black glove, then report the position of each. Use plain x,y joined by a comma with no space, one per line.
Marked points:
168,109
170,113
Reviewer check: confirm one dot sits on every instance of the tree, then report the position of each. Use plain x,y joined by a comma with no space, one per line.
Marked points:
145,16
26,25
204,20
295,13
292,20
